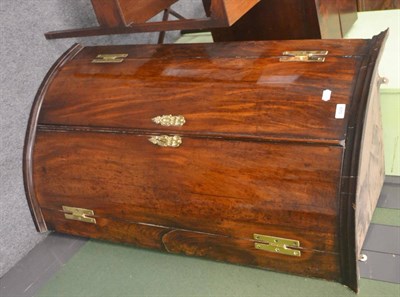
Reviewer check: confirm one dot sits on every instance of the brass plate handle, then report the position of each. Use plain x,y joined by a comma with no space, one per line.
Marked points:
304,56
109,58
277,245
166,141
169,120
79,214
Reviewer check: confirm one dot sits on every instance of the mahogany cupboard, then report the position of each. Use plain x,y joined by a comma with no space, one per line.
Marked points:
266,154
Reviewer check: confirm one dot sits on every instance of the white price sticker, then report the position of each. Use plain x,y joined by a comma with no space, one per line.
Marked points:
340,111
326,95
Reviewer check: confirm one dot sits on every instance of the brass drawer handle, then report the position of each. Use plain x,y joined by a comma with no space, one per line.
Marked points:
166,141
109,58
79,214
169,120
304,56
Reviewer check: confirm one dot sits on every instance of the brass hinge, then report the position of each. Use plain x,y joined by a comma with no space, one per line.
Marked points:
79,214
277,245
304,56
109,58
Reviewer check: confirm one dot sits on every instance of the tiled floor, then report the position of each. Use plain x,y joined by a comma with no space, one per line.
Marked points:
49,265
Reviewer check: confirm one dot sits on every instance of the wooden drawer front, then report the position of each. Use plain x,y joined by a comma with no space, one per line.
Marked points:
261,97
223,187
220,248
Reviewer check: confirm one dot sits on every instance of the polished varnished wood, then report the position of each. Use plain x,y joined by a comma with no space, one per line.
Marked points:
230,10
31,135
225,249
240,251
261,151
117,13
232,183
240,96
291,19
239,101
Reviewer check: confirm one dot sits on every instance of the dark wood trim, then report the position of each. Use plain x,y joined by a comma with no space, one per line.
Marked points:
161,36
368,5
196,24
194,134
347,224
31,135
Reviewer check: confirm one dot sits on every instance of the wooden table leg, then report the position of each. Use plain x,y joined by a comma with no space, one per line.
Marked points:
161,36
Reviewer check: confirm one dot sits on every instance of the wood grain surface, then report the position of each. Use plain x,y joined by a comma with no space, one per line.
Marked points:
30,138
223,187
239,251
220,248
229,11
120,13
236,97
261,151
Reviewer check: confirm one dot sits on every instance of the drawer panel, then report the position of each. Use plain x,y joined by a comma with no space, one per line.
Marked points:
261,97
220,248
226,187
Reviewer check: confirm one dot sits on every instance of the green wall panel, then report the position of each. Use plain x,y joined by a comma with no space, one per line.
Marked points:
390,104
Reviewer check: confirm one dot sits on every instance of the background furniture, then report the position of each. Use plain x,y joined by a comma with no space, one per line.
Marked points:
291,19
131,16
117,13
364,5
